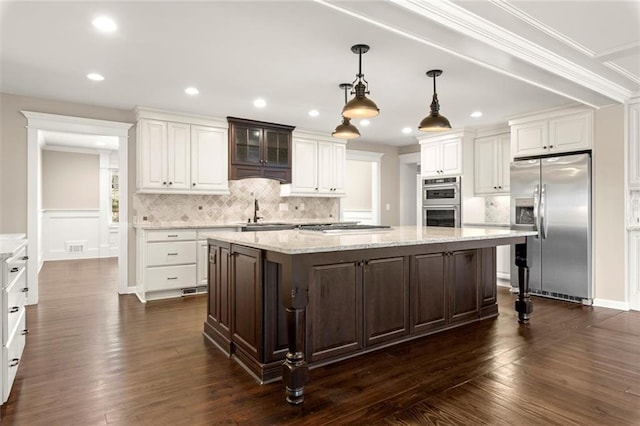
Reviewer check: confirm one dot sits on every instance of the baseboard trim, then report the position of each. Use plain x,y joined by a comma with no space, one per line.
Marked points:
611,304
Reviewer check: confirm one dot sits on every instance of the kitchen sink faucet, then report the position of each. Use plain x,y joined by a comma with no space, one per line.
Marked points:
255,211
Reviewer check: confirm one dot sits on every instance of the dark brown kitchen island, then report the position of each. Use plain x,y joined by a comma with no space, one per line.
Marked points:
310,299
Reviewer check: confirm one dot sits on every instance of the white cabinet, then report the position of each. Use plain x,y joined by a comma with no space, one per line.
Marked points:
172,262
181,157
209,153
318,167
634,145
503,262
13,298
440,157
560,131
492,155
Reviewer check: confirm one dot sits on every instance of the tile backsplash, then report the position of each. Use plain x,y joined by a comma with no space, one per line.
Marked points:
496,209
232,208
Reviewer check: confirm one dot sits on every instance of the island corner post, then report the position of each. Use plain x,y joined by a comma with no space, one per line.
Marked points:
295,297
523,305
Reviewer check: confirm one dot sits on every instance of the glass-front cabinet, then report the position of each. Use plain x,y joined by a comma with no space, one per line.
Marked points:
259,149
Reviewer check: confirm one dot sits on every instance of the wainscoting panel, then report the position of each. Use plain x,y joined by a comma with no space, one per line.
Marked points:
70,234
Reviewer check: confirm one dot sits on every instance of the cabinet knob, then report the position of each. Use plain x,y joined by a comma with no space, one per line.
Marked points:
550,146
14,362
14,269
544,147
495,187
316,189
25,290
164,183
193,184
24,332
14,309
499,187
170,183
25,257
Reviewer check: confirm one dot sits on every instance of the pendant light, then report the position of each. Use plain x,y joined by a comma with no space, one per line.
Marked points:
360,106
434,122
345,130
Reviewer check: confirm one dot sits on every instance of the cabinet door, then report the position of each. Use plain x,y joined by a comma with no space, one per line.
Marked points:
325,167
464,277
277,149
246,147
219,289
486,168
209,159
339,165
570,133
386,305
451,157
335,311
247,300
430,159
305,166
530,138
152,154
504,161
178,155
428,292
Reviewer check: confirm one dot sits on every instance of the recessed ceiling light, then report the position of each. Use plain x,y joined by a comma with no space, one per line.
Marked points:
364,122
95,76
407,130
314,113
191,91
105,24
259,103
476,114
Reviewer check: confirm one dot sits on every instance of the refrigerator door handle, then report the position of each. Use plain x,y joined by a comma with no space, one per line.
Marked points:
536,208
543,212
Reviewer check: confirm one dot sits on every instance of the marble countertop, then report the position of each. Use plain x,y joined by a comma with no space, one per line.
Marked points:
10,244
487,225
299,242
195,225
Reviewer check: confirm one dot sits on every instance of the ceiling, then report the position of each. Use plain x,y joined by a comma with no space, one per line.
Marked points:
501,58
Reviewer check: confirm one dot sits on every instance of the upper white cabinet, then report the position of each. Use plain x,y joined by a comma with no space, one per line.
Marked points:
183,155
492,155
552,132
441,155
318,167
634,145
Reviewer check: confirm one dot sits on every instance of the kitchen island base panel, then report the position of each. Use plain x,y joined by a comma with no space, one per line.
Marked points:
315,307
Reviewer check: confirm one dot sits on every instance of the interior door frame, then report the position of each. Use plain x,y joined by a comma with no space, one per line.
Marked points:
37,122
375,158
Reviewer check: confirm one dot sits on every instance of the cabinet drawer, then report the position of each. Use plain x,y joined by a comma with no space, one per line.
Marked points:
161,254
171,277
12,355
171,235
14,299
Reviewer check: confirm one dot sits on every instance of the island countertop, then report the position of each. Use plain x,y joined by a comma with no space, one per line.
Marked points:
300,241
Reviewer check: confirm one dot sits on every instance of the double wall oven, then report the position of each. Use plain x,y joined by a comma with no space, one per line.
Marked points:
441,202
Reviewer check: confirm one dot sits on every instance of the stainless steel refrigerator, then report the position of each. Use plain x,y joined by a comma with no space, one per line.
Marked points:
553,196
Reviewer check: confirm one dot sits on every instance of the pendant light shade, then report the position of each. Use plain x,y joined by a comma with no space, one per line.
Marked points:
434,122
360,106
345,130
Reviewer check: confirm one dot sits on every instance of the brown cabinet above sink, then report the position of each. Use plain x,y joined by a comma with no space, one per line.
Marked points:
259,149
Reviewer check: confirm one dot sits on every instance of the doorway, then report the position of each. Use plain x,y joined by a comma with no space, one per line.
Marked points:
39,125
362,202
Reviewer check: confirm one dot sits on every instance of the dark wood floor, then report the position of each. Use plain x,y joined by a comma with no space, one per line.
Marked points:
94,357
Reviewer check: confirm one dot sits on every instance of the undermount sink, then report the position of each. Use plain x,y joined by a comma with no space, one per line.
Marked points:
271,226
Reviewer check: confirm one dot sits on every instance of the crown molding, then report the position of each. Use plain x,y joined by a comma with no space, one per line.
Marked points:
542,27
622,71
455,17
179,117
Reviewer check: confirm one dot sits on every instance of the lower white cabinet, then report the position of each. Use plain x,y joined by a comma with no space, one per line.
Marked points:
503,262
13,300
171,262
